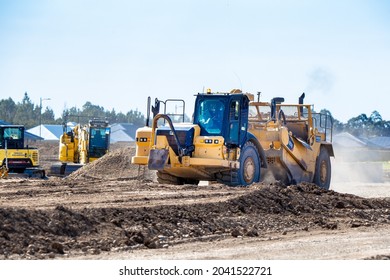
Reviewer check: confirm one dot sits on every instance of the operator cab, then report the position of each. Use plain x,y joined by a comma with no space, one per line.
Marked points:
223,114
99,138
11,136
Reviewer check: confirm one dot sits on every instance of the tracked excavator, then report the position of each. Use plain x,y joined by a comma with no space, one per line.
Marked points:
80,145
238,141
16,159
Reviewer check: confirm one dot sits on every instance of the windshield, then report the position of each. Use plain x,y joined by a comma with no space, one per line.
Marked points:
99,141
210,116
13,133
99,137
12,137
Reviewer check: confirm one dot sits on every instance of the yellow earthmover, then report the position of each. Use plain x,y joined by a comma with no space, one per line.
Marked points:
80,145
238,141
16,159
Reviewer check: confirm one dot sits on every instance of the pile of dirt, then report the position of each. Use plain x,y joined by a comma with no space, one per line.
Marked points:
115,165
264,210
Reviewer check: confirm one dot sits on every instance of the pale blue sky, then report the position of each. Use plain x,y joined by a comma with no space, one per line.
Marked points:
116,53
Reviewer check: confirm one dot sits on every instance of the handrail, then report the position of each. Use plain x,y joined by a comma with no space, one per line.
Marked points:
181,150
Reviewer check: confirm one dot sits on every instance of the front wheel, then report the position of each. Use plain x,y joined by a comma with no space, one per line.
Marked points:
249,171
323,170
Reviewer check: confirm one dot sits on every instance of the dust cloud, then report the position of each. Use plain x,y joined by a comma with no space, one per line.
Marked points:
357,165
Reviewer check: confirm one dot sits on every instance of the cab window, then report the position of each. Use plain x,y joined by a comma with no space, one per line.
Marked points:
210,116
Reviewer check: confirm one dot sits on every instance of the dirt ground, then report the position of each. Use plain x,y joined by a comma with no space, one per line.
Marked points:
110,209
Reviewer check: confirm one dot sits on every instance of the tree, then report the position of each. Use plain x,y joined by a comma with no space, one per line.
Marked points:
377,125
121,118
48,116
338,126
25,113
135,117
93,111
385,128
111,116
7,110
375,117
357,125
71,115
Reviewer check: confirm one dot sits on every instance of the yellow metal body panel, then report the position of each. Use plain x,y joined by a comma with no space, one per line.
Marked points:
83,143
209,155
143,145
291,145
205,161
68,149
209,147
31,154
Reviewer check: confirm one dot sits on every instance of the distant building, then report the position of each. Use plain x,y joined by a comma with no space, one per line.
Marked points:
347,140
120,132
50,131
47,131
353,149
123,132
380,141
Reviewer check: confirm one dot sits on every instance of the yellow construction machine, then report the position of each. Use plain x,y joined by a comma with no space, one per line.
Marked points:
80,145
297,141
238,141
16,158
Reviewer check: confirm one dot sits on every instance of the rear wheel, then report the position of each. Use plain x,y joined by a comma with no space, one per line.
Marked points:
323,170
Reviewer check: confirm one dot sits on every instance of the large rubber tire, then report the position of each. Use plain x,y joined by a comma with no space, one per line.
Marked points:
323,170
249,165
165,178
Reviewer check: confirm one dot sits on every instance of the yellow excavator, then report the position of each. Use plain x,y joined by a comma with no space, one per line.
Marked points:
80,145
238,141
16,159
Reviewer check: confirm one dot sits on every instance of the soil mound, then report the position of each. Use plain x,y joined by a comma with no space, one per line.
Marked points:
115,165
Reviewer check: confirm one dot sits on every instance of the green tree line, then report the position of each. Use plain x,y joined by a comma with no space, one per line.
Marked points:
362,125
29,114
365,126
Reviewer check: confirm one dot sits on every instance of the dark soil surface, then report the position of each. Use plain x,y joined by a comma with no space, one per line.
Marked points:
109,206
